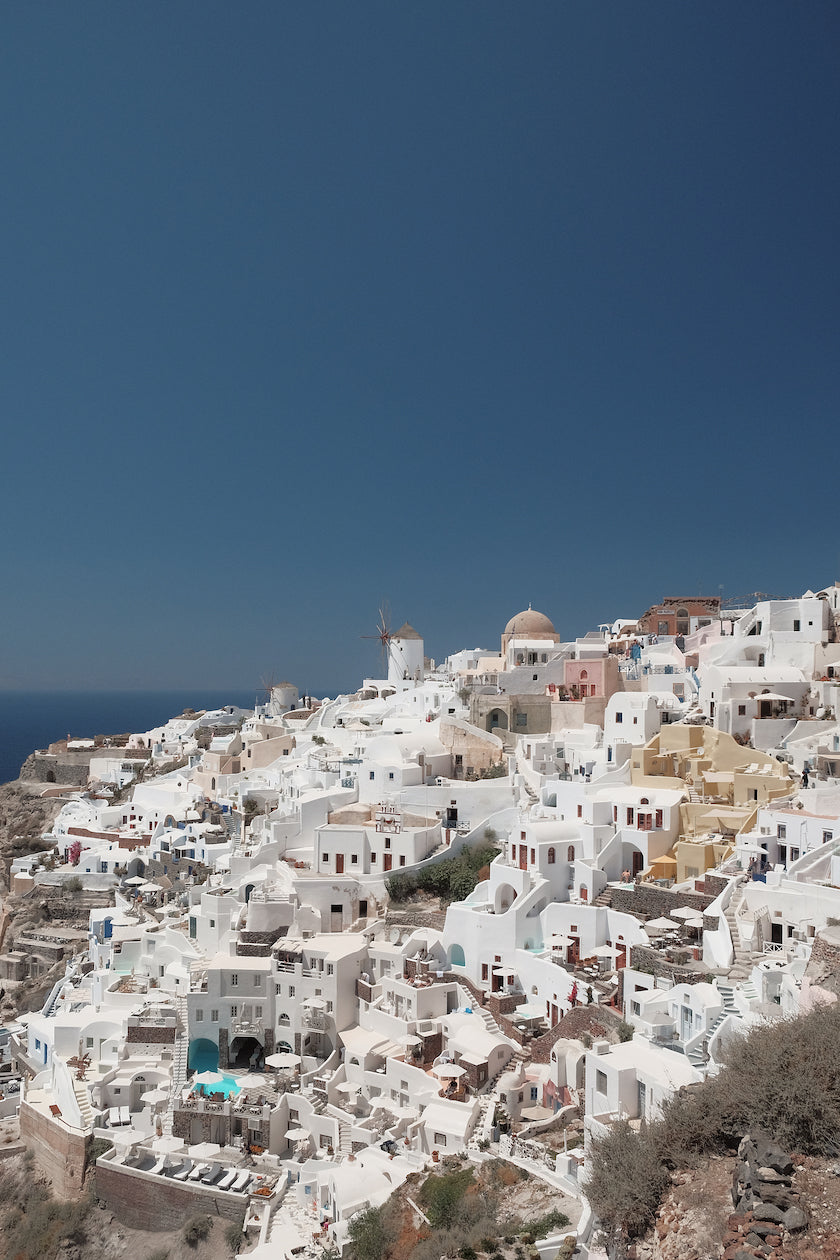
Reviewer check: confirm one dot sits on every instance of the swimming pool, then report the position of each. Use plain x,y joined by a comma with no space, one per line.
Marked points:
227,1086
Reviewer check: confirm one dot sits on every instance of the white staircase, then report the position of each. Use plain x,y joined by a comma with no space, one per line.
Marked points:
83,1099
180,1054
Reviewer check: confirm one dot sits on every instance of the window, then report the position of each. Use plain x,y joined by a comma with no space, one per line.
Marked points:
258,1012
89,1043
580,811
234,979
659,818
199,1015
214,1016
390,774
373,857
619,717
291,990
440,1139
600,1081
536,676
459,760
828,836
551,857
781,831
522,719
278,989
387,844
330,969
233,1011
742,710
402,860
485,971
796,625
372,774
329,1007
570,854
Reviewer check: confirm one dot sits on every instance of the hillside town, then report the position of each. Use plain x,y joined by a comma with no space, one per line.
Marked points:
485,907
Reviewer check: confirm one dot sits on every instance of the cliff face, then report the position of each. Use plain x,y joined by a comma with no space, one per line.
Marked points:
24,816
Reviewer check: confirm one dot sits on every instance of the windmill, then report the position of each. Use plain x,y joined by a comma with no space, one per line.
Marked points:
267,684
384,634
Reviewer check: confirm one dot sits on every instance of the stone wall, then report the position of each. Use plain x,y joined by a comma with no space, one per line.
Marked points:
645,958
158,1203
147,1035
59,1151
651,901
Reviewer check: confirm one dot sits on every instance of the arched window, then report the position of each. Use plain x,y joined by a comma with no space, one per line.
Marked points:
584,674
550,857
570,856
644,801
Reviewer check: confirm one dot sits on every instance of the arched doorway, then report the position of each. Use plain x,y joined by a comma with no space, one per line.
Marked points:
497,717
203,1055
504,899
456,956
245,1052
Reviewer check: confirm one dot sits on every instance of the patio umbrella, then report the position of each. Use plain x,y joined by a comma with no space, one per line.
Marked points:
208,1078
283,1059
204,1150
448,1071
684,912
156,1095
135,880
297,1135
694,923
150,887
660,925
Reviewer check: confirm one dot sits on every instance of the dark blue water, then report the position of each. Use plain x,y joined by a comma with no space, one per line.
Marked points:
33,719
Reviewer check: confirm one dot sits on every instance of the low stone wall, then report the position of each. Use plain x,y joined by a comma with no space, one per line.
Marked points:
648,900
645,958
142,1201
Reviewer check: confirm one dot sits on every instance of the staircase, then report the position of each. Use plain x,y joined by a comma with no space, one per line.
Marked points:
742,965
180,1055
698,1055
345,1143
83,1099
604,898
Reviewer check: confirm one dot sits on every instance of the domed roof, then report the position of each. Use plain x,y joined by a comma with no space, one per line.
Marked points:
529,622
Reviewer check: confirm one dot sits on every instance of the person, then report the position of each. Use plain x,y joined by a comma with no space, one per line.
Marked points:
625,877
805,777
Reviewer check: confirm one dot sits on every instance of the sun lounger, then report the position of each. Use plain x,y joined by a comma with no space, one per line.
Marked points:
183,1172
227,1180
213,1174
197,1171
159,1166
114,1117
241,1180
125,1115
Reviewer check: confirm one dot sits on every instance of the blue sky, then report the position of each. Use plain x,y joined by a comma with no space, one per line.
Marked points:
466,306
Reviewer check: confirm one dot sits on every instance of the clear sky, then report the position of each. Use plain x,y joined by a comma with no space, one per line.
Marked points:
463,305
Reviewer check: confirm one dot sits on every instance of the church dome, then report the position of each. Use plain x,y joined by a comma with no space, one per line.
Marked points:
530,624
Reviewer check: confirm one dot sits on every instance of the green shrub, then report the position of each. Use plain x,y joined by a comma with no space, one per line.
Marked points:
368,1240
196,1230
625,1031
441,1195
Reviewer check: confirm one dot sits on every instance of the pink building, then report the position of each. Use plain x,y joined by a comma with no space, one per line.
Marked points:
597,677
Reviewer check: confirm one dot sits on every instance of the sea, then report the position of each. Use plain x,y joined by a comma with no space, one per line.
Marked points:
33,719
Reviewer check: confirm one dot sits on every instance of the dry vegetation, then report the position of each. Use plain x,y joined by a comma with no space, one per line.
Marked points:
783,1077
492,1209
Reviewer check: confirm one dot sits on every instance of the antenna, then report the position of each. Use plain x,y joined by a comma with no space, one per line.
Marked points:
384,634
